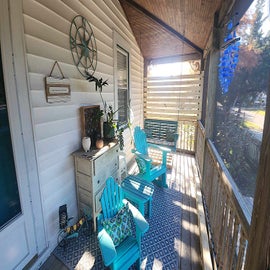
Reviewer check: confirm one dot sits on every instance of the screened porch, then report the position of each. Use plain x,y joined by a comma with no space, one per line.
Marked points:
215,222
213,82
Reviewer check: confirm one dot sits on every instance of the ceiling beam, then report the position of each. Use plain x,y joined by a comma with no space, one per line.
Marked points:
175,58
163,24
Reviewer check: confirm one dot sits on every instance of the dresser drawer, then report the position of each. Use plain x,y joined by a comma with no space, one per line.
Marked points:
100,179
114,165
84,181
85,197
84,207
97,201
108,165
84,166
115,176
106,162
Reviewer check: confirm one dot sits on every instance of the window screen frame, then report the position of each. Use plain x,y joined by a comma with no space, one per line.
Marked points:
122,46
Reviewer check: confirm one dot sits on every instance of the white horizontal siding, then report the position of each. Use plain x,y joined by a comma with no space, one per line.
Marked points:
57,113
51,159
50,144
57,126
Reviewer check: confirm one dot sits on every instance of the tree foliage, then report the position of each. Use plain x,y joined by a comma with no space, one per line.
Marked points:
252,72
250,79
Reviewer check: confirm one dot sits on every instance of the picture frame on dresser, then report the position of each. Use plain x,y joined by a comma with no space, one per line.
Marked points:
90,122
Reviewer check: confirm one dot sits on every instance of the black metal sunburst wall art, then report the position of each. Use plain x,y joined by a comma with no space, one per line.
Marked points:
229,57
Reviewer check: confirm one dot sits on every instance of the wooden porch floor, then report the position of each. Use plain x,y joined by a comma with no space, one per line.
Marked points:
186,246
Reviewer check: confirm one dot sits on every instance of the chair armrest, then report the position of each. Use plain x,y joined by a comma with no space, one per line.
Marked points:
161,148
164,150
144,157
139,219
107,247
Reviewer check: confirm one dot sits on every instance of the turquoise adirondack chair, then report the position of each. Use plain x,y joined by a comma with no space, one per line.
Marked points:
112,222
147,171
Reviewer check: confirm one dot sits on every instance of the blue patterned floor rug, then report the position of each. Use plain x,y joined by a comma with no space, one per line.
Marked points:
160,244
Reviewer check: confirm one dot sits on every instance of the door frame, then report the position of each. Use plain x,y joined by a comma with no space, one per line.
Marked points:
14,61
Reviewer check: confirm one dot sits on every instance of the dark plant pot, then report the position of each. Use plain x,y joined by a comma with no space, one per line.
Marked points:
108,131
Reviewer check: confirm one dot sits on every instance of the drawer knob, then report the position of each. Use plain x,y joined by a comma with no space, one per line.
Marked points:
98,181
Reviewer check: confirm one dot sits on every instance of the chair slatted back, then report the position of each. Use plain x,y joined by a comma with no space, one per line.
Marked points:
111,199
140,141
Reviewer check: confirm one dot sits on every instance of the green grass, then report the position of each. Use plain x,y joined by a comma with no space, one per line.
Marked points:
261,112
252,125
258,111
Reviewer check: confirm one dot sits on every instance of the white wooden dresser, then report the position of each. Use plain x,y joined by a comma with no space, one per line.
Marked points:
92,170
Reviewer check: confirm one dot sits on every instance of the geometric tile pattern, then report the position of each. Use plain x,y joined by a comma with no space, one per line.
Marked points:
81,252
160,244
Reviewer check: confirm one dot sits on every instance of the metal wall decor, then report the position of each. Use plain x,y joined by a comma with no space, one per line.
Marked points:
83,45
195,65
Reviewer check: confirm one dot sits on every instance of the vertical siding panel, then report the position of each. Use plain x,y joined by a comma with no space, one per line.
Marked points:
57,126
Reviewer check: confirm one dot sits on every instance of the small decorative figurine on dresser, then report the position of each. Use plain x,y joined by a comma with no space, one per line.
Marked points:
86,143
99,143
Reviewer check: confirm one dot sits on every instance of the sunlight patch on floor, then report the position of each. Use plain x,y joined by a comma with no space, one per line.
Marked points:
157,264
177,203
177,246
85,259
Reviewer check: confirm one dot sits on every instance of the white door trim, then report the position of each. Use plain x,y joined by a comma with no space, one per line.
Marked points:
21,127
22,79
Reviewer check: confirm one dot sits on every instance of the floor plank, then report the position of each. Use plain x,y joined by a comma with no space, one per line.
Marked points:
182,178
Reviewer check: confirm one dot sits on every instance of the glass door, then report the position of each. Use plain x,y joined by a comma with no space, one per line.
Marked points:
10,206
18,241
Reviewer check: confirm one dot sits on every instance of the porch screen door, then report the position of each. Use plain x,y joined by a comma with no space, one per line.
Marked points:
17,234
10,206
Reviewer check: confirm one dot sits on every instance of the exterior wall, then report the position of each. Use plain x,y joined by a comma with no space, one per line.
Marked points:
57,126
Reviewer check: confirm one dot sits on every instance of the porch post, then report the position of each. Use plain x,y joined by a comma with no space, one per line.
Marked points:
211,87
212,82
146,63
258,252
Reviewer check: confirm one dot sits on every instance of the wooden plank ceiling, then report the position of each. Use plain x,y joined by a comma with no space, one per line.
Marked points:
165,28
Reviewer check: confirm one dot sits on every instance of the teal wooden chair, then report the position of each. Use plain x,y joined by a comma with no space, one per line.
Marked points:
119,247
147,171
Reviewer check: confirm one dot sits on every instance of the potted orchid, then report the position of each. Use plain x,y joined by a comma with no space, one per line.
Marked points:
109,124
